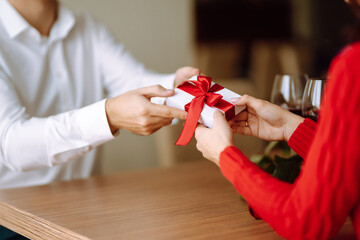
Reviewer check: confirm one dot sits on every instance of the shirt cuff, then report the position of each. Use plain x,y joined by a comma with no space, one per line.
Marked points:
93,124
301,140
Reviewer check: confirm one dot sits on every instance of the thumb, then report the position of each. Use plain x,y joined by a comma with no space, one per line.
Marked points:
195,71
219,118
243,100
189,72
155,91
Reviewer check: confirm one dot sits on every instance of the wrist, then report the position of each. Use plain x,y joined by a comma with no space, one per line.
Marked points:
221,150
291,125
108,110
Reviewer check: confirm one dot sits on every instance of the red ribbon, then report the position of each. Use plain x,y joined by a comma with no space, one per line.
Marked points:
203,93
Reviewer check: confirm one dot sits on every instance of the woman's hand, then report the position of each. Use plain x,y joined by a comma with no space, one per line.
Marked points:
212,141
264,120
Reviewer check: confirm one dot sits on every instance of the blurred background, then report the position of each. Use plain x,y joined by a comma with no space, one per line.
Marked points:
242,44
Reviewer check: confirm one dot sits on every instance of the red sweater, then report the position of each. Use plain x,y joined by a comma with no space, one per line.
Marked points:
327,190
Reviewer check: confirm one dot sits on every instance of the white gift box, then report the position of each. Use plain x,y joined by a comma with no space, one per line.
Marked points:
181,98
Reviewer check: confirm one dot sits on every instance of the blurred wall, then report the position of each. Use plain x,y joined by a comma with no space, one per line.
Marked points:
159,33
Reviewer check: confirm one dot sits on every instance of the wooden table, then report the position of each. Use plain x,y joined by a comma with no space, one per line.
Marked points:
189,201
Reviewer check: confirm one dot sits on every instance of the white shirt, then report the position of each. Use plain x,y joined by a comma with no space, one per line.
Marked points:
52,106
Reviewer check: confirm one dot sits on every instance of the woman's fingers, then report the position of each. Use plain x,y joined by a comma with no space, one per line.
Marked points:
242,116
250,102
240,124
243,100
242,130
219,119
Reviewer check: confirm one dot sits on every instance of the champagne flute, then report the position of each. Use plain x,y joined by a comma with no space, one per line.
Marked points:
287,92
313,95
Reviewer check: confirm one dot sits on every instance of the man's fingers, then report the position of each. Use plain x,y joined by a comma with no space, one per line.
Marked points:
160,123
167,112
155,91
152,124
195,72
189,72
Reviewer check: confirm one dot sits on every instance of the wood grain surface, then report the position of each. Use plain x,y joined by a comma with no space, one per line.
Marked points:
188,201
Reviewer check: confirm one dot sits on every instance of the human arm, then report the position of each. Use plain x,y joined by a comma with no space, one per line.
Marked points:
270,122
29,126
123,76
122,72
134,112
298,211
29,142
317,204
259,119
264,120
327,189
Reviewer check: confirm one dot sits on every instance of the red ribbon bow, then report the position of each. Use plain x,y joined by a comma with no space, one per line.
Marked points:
203,93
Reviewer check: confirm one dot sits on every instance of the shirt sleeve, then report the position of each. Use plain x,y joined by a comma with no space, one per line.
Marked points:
28,142
300,141
121,72
327,189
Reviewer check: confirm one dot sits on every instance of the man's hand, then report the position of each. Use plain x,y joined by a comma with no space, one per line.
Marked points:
185,73
134,112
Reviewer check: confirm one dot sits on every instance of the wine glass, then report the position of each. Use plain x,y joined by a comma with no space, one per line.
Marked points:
287,92
313,94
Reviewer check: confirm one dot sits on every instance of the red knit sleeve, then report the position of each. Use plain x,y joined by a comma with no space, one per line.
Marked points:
300,141
328,187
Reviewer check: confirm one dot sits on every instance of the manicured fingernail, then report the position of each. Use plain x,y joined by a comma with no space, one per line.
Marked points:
234,99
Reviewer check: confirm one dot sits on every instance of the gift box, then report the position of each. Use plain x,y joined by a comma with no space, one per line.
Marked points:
200,97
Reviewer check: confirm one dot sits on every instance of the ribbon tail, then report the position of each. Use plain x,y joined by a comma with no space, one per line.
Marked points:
191,121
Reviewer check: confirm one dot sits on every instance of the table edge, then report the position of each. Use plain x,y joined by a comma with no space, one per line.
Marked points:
33,227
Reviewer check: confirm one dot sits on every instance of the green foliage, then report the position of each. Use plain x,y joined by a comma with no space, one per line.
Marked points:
280,161
267,164
287,170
